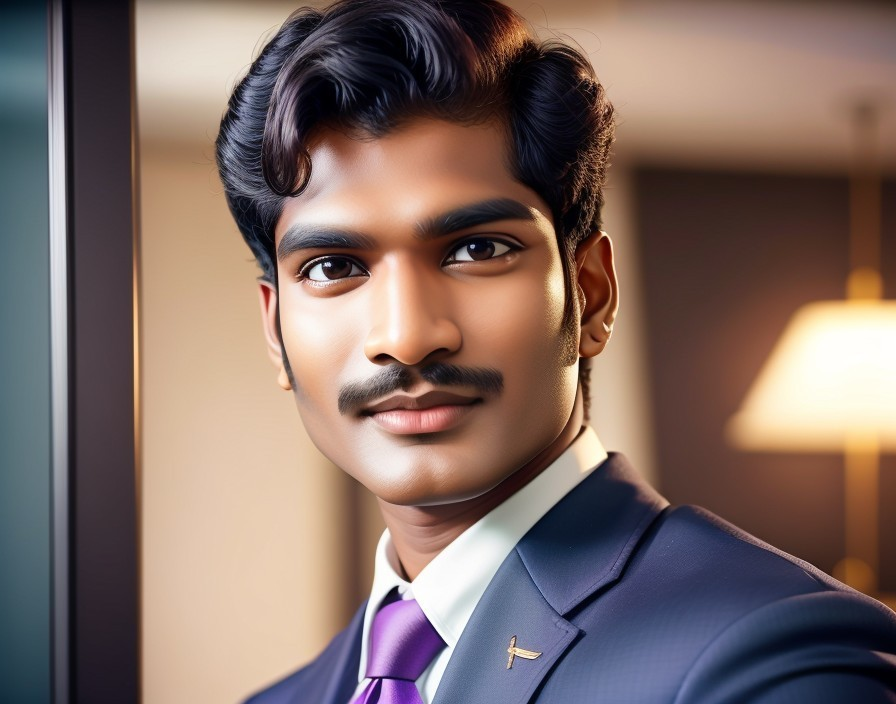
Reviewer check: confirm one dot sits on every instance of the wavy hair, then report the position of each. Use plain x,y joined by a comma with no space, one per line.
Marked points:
370,66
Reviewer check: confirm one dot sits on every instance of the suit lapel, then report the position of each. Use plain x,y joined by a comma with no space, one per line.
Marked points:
584,543
580,546
344,668
511,606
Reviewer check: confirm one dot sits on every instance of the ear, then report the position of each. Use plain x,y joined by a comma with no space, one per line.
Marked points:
598,292
267,296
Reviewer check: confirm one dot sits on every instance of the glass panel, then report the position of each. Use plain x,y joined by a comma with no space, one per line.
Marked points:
25,503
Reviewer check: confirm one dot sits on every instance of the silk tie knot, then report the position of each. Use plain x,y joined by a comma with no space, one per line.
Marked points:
402,642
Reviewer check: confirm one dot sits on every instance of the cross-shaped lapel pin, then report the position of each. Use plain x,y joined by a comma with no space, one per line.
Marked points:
515,652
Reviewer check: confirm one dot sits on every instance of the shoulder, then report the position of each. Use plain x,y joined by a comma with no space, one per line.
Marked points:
714,614
691,544
308,684
789,629
733,579
333,671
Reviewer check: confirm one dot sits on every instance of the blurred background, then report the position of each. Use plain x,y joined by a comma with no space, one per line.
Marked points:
729,209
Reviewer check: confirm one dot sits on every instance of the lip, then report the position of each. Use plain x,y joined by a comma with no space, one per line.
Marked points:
431,412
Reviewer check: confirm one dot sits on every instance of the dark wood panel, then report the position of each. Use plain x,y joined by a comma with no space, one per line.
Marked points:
728,258
103,478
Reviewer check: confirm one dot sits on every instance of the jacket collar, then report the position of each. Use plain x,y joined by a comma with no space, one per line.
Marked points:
581,546
598,526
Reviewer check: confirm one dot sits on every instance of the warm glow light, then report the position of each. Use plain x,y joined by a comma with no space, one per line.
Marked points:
830,381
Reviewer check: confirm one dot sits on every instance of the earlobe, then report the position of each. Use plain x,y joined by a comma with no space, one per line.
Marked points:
283,379
598,293
267,297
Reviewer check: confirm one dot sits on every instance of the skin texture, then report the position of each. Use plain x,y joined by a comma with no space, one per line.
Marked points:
373,282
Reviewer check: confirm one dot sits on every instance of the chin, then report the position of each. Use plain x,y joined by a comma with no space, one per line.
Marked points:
426,484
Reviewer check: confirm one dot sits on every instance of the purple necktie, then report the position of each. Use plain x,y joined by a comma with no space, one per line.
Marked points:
402,644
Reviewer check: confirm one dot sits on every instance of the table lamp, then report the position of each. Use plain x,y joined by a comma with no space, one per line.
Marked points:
830,382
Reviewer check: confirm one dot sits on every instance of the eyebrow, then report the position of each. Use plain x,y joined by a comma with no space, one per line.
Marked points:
298,236
473,215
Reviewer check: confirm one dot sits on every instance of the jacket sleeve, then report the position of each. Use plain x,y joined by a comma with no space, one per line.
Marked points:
826,647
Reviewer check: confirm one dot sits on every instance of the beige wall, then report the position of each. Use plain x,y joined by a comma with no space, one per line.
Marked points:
239,584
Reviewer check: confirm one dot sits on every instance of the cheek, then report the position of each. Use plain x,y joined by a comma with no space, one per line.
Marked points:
317,348
519,328
525,316
317,342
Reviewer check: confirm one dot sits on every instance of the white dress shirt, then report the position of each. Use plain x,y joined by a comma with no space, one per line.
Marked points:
450,586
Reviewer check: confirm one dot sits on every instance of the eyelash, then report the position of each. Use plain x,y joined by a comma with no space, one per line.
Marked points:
307,268
450,259
510,247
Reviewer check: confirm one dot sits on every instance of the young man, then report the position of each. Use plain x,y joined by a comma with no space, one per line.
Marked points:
420,181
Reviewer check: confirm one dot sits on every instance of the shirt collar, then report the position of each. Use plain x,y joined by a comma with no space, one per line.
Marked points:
450,586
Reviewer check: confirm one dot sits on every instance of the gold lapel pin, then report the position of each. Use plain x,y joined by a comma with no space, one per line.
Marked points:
515,652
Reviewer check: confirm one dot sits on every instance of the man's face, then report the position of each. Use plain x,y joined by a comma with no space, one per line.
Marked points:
421,301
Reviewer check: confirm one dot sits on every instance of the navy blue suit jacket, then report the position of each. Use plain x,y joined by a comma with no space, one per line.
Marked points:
630,600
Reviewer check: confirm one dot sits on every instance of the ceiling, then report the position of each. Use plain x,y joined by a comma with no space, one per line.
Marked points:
727,83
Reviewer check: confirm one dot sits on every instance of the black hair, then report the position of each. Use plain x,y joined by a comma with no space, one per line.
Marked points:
370,66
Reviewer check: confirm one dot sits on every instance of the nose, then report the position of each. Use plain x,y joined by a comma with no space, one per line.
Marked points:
410,317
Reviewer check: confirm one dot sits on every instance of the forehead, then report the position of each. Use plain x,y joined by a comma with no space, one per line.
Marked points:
423,168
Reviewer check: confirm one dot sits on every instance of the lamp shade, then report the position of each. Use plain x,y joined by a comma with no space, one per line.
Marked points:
830,380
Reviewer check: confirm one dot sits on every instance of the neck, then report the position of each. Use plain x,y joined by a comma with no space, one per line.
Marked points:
420,533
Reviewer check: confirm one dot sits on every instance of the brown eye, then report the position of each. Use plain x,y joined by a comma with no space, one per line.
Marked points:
332,269
478,250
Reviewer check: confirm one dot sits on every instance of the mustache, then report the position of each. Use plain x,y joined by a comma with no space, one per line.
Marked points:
355,395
